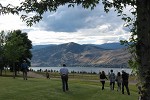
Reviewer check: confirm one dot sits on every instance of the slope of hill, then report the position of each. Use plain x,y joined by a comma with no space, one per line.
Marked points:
112,46
74,54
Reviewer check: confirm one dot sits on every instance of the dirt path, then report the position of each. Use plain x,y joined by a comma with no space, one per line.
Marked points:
35,75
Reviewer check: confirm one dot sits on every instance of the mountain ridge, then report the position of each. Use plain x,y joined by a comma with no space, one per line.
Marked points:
110,46
73,54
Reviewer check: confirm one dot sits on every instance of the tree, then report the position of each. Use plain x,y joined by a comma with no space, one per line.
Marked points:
17,49
143,45
140,26
27,55
2,60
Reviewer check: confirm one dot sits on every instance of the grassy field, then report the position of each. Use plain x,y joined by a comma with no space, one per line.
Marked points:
50,89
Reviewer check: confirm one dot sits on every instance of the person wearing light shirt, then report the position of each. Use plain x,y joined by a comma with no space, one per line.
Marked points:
64,76
112,79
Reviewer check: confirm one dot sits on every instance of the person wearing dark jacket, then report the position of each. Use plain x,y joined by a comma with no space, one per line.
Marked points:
102,79
125,77
24,67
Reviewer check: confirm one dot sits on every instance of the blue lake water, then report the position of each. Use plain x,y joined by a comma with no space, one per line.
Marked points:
84,69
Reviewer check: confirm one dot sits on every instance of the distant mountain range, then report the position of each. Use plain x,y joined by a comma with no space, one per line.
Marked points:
87,55
104,46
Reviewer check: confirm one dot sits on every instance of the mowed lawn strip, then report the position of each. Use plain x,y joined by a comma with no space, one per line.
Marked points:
50,89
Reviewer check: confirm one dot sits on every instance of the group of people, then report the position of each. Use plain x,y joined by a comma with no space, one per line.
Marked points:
121,79
63,72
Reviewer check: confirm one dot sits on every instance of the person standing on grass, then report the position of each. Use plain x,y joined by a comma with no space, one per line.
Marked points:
47,74
125,77
24,67
102,79
112,79
119,80
64,76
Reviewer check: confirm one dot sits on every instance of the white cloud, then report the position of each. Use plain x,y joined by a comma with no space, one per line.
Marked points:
71,25
14,2
10,22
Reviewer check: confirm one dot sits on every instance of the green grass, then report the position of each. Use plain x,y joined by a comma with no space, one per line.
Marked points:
45,89
72,75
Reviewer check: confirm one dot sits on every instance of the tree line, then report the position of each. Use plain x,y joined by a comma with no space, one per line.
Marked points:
14,48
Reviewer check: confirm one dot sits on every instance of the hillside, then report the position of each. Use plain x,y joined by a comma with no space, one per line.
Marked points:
74,54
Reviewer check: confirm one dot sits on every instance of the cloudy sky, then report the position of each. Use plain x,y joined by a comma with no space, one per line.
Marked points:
76,24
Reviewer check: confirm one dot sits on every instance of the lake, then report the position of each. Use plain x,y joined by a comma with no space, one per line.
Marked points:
84,69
